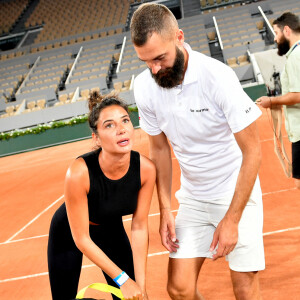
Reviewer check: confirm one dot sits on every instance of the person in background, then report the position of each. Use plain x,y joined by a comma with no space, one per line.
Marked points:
198,105
287,37
100,187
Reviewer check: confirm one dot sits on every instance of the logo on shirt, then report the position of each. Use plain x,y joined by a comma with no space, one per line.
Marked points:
199,110
248,110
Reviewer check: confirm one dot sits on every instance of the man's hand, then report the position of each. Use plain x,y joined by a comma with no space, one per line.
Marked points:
225,237
264,101
167,230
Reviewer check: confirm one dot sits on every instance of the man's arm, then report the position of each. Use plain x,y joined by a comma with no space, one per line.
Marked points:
226,234
160,154
287,99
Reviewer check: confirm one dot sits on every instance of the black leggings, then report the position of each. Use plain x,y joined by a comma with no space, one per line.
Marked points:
65,260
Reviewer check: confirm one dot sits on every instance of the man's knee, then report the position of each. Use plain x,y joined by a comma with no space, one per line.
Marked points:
246,285
243,292
179,291
182,278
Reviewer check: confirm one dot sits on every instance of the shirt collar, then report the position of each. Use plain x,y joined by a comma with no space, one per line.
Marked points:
190,75
291,49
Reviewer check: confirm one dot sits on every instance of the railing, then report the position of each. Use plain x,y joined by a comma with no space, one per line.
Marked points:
218,32
71,71
121,55
256,70
27,76
266,20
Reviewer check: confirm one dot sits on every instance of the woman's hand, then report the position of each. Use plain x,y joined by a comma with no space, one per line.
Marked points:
145,296
131,291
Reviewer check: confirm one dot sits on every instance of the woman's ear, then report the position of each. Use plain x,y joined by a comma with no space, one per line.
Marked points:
96,139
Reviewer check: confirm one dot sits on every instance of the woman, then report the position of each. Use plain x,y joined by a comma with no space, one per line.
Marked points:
101,187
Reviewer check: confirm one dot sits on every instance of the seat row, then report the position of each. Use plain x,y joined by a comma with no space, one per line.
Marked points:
30,106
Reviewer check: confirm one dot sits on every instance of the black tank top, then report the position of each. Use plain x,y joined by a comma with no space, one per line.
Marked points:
110,199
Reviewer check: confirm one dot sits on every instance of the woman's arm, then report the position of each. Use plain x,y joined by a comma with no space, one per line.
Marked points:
139,227
76,190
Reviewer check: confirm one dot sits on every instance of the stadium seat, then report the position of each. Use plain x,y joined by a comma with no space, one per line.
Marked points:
118,86
63,97
31,104
4,115
232,62
260,25
10,109
211,35
243,60
85,93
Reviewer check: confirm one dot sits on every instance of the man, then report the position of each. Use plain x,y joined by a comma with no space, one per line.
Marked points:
287,37
197,103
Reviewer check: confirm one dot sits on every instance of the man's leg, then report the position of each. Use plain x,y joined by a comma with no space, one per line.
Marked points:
246,285
248,258
182,280
297,183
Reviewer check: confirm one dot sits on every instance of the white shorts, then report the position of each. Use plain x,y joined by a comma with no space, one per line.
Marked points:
196,222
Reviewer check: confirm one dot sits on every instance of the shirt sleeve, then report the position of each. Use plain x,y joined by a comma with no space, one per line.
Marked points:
293,71
147,116
239,110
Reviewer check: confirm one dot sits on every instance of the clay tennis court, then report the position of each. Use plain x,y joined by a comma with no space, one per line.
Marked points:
31,187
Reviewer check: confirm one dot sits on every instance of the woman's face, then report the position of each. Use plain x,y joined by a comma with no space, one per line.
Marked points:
115,130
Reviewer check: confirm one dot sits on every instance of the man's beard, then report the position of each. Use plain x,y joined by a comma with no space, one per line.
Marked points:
283,46
171,77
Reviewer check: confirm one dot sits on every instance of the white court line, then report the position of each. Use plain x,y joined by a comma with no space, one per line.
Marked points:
125,220
34,219
149,255
25,239
151,215
282,230
46,235
280,191
272,139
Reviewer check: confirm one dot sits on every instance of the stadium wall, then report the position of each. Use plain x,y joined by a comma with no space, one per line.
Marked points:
67,134
256,91
51,137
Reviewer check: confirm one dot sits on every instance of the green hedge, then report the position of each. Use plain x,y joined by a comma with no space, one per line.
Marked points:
48,135
59,132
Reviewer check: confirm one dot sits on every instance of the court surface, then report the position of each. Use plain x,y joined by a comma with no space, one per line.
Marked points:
31,187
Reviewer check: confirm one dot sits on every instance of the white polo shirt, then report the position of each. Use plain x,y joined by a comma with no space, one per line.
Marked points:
199,118
290,81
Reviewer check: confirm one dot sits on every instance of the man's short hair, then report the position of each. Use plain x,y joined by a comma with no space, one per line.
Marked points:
150,18
288,19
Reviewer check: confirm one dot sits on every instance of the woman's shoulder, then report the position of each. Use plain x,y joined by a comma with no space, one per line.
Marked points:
148,170
144,161
90,154
77,170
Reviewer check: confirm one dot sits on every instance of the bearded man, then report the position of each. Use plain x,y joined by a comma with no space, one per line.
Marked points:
197,104
287,37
